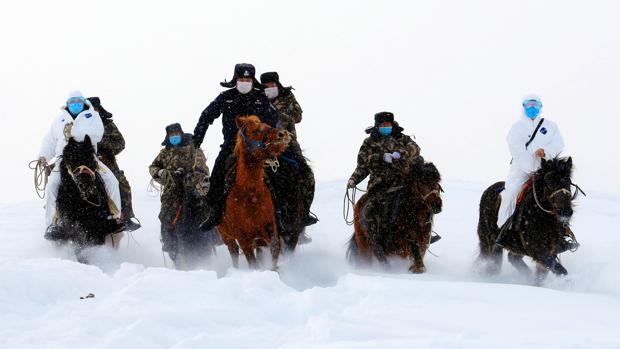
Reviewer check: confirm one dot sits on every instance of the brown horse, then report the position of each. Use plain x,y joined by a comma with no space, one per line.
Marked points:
249,219
411,222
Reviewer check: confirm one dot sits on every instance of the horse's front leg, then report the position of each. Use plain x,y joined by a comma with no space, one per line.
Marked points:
541,274
274,245
233,249
517,261
417,251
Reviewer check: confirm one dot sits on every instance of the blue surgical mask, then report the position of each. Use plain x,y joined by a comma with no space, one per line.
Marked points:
175,140
75,108
532,112
385,131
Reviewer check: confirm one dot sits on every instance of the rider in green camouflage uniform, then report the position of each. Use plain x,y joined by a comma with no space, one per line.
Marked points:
179,168
283,100
387,156
108,148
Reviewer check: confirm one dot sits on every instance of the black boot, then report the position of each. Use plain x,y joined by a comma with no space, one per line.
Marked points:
118,226
502,237
132,224
310,219
55,233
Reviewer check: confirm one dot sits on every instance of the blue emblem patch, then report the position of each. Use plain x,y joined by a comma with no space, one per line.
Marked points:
543,131
88,115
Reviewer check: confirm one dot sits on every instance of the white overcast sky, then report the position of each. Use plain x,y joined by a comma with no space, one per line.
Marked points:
453,72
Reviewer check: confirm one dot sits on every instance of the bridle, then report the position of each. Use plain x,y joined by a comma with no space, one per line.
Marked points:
78,171
252,145
433,192
557,192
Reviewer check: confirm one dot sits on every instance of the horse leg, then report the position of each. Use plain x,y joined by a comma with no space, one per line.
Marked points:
274,246
417,250
247,246
541,274
233,249
517,261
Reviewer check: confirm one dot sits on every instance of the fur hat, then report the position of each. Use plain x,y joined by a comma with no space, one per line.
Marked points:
384,116
96,103
242,70
274,77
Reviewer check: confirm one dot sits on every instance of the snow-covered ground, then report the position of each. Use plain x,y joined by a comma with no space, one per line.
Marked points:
317,300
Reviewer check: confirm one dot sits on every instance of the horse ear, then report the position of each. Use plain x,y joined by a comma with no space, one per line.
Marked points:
240,122
71,141
543,163
87,141
570,161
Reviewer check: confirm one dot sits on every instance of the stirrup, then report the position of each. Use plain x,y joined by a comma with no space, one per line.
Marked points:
434,238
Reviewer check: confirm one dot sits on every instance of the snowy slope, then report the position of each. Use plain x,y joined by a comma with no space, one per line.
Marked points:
317,301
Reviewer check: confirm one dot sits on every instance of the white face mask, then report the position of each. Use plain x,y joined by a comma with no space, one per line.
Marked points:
244,87
271,92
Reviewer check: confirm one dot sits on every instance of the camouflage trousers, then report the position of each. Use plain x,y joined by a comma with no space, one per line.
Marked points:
125,189
305,180
380,214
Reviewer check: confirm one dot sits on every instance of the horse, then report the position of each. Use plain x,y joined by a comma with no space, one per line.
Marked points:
186,244
539,227
82,202
285,183
249,216
411,222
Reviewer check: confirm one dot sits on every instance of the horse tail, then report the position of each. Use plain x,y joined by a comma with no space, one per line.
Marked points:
353,250
488,230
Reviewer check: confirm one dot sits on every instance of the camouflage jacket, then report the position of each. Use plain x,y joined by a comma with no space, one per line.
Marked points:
383,175
111,144
187,157
289,110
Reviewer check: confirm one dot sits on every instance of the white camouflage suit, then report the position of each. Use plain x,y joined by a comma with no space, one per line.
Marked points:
88,122
524,160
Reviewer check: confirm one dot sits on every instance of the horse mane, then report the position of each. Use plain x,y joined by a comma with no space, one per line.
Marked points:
563,166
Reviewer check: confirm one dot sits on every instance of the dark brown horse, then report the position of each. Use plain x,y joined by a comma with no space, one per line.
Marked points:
249,219
411,222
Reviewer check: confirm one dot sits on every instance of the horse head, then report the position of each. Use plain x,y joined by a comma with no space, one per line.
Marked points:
80,162
425,183
260,140
554,177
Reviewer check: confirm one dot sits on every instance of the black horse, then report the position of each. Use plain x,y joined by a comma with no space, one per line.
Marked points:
539,227
285,184
83,211
187,245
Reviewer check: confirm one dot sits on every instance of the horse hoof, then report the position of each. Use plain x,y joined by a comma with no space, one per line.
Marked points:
417,270
276,269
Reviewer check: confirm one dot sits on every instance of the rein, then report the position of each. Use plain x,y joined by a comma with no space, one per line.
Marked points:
41,174
83,169
559,191
349,201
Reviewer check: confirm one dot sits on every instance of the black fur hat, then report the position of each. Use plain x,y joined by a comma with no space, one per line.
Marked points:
242,70
96,103
268,77
176,127
384,116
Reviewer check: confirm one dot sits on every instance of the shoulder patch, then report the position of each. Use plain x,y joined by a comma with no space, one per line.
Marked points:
88,115
543,130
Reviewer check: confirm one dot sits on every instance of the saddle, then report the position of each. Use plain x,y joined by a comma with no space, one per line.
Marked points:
526,188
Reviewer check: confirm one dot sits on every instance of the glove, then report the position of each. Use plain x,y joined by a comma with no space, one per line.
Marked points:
350,184
396,155
42,161
387,157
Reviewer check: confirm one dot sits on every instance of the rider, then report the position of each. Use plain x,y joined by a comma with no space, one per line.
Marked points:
243,97
283,99
530,139
108,148
178,159
387,156
77,119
